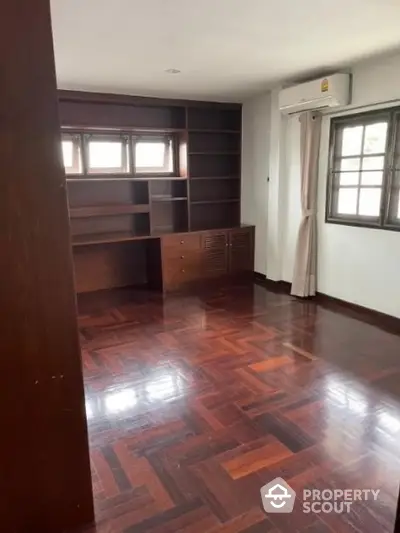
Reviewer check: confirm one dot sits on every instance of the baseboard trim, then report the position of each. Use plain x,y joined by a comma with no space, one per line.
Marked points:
272,285
371,316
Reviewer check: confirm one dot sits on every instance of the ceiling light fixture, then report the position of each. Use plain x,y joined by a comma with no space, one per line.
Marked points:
173,71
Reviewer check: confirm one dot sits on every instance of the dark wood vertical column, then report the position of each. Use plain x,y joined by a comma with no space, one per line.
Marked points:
397,523
45,480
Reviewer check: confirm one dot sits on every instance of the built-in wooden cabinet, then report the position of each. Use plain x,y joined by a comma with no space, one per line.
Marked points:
167,225
196,257
227,251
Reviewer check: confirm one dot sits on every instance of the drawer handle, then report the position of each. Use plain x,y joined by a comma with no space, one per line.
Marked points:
182,242
182,257
183,270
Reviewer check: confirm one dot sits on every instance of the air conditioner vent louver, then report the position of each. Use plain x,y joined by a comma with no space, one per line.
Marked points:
331,91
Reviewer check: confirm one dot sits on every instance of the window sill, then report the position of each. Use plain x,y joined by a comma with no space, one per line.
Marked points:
362,224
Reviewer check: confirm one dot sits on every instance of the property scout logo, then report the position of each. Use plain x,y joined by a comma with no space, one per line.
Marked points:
278,497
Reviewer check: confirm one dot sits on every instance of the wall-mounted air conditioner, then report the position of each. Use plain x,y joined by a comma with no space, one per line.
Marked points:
330,91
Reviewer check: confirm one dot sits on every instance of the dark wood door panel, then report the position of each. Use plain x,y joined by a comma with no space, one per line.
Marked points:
214,251
45,481
241,250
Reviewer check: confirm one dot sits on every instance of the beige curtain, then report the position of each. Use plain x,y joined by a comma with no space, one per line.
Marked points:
305,267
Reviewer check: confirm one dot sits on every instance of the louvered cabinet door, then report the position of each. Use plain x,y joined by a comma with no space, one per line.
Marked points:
241,250
214,252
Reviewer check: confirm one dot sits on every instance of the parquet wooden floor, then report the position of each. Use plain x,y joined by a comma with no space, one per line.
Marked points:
195,402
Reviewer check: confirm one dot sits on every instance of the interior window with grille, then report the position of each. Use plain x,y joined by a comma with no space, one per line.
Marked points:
358,162
364,170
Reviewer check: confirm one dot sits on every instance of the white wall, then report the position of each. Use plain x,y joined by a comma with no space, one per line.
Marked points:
292,213
359,265
276,191
255,167
376,81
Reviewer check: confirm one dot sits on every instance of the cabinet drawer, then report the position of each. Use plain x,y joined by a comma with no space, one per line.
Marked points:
180,268
173,245
177,274
186,260
181,254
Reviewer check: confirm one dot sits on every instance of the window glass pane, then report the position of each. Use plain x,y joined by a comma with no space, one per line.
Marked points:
150,154
373,163
154,155
347,202
394,207
375,138
349,178
105,154
370,200
359,166
372,178
352,163
351,140
68,153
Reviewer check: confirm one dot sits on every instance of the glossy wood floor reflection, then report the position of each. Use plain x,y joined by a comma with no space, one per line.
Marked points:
195,402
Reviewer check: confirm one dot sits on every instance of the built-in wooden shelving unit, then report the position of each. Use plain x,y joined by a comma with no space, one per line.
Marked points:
202,193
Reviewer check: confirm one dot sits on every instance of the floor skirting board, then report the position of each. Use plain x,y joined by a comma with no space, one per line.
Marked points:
276,286
371,316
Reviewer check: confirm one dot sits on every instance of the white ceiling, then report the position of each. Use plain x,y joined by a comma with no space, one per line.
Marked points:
226,49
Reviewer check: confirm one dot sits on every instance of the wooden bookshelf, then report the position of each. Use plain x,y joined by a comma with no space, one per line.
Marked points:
221,201
161,198
105,177
214,153
114,215
205,130
107,210
107,237
214,119
215,178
